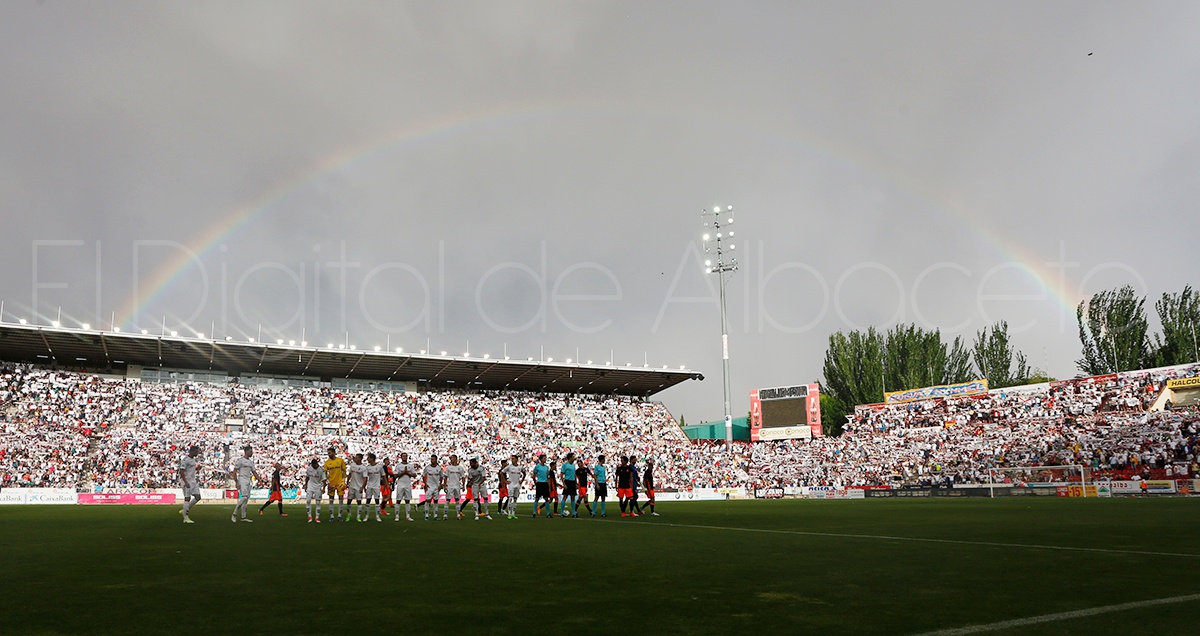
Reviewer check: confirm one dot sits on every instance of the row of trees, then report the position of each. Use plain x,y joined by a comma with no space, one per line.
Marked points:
1115,333
861,366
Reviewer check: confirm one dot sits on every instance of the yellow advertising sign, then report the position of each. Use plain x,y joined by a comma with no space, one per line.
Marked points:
1184,383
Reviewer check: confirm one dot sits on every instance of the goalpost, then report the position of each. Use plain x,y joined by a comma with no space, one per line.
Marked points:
1043,475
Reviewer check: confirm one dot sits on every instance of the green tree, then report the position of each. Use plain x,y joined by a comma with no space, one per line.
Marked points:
1180,318
1113,332
861,366
915,358
833,415
854,367
994,357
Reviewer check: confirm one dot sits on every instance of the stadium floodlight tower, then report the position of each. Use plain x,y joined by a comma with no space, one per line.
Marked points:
718,239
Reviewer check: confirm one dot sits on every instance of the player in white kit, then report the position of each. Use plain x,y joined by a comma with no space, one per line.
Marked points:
314,485
432,478
356,483
405,473
477,482
374,474
514,474
243,472
455,474
187,478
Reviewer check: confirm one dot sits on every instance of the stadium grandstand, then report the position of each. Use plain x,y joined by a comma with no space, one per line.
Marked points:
95,411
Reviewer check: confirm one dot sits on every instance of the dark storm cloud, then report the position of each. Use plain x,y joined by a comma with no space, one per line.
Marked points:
430,173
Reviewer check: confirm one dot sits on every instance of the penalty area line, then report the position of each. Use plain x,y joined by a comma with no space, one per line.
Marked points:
883,537
1062,616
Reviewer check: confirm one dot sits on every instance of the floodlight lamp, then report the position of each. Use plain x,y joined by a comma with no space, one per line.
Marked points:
291,343
144,332
85,326
353,348
422,352
53,323
23,321
174,333
303,343
279,341
200,335
341,346
228,338
377,347
329,346
729,208
486,356
589,361
707,270
251,340
399,349
705,237
549,359
443,353
730,220
466,354
717,210
718,235
116,330
731,235
708,263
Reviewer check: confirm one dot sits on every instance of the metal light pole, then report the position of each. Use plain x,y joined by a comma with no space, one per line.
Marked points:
715,243
1195,349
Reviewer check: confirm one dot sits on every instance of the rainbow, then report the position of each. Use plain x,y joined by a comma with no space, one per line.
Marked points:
461,123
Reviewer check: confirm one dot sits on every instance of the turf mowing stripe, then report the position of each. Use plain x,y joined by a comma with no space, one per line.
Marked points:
1031,546
1047,618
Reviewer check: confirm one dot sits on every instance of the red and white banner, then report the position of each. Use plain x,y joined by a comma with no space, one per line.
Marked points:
127,498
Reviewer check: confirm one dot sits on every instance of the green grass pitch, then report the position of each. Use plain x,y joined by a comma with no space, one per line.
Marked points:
836,567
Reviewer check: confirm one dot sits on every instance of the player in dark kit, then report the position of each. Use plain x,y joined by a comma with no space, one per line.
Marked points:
624,484
389,478
502,487
634,477
276,495
552,480
581,477
648,484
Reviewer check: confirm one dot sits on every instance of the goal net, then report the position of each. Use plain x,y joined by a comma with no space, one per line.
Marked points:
1042,477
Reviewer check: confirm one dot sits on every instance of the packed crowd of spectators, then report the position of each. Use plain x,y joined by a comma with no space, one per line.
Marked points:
47,420
1100,423
62,429
291,426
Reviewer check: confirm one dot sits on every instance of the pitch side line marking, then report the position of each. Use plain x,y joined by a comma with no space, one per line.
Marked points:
993,544
1047,618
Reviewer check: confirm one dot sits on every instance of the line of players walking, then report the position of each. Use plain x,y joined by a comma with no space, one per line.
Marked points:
374,486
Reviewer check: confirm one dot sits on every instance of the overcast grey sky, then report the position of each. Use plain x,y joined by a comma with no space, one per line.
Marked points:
444,171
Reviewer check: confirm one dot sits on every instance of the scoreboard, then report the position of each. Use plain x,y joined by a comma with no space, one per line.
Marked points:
787,412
